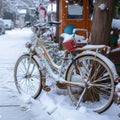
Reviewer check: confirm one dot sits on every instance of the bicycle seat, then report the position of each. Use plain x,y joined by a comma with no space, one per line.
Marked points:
39,25
54,22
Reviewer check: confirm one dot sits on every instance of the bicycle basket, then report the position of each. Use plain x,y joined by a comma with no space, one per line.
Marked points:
69,45
68,42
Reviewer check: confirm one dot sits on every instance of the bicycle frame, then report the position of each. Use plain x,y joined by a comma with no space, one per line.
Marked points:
51,66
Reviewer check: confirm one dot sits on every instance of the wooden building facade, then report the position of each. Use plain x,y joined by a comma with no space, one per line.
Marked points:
74,12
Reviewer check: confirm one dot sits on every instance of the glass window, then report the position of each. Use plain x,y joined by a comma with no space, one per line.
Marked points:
117,9
75,9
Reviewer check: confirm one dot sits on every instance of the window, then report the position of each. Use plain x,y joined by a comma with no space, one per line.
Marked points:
75,9
117,9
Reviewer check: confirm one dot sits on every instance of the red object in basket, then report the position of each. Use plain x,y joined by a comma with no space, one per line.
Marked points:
69,45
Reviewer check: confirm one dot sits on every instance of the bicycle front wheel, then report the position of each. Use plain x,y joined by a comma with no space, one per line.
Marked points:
27,76
95,74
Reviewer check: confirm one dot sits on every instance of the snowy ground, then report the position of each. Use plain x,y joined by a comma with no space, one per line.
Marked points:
48,106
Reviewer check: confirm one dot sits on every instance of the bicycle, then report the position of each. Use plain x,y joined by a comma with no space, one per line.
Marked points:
89,76
46,32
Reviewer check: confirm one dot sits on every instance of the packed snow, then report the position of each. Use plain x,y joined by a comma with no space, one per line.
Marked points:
53,105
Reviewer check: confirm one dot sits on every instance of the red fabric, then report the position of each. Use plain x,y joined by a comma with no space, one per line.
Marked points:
69,45
44,9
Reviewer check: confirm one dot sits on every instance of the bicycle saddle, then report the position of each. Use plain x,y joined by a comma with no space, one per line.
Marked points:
54,22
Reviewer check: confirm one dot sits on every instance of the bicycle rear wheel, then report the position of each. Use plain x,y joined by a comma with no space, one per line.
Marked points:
97,94
28,78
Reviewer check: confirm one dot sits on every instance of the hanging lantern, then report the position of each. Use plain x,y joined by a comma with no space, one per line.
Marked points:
51,1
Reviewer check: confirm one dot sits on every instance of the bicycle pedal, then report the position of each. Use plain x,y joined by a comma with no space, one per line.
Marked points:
46,88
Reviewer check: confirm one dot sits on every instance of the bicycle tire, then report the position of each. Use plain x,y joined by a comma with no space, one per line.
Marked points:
98,77
28,83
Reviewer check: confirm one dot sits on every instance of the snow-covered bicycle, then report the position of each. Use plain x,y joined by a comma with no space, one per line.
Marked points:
47,34
89,76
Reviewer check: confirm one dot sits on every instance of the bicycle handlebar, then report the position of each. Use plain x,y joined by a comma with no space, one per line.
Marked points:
47,24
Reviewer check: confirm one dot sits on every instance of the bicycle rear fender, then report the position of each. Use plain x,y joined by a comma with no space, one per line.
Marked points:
109,63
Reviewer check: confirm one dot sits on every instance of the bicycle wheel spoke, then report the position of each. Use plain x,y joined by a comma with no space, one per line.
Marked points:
25,64
96,70
80,98
28,76
23,67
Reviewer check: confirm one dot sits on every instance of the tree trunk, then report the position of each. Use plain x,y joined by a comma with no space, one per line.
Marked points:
101,23
100,33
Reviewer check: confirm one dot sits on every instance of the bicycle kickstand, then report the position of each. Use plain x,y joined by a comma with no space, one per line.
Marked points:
80,99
